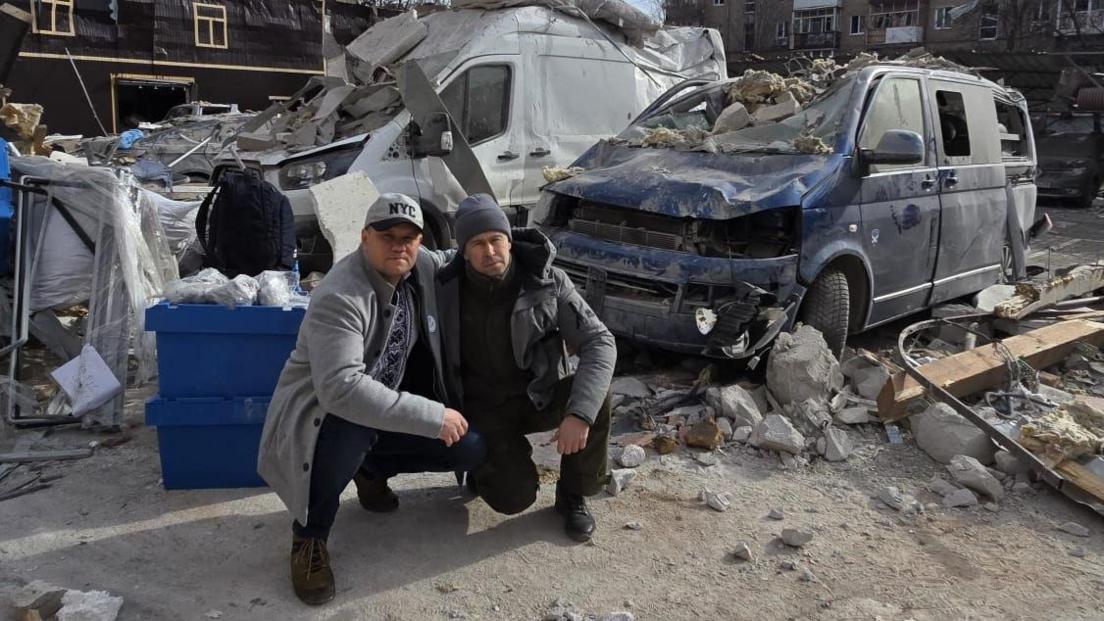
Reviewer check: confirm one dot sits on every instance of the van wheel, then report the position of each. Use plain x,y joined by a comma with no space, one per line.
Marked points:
827,307
1091,191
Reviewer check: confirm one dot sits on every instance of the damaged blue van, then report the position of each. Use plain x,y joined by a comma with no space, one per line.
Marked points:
896,188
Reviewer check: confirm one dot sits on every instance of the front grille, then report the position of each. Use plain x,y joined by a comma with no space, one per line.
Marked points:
625,234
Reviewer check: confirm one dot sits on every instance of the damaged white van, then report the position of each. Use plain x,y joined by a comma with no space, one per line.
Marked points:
524,88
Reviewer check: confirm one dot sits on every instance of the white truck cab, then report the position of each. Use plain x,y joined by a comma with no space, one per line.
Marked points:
526,87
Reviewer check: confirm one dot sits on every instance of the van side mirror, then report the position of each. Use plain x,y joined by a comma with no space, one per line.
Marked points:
897,146
435,140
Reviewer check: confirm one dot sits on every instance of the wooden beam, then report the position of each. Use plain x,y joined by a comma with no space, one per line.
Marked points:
975,370
1082,477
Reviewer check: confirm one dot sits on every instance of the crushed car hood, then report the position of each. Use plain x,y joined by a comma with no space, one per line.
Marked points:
714,186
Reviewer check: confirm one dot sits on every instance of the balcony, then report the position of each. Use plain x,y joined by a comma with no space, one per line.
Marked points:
895,35
803,5
815,40
1082,22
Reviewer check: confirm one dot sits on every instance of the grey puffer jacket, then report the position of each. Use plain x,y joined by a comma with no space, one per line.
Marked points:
549,318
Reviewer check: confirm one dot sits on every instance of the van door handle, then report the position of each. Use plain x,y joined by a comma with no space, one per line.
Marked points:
506,156
539,152
928,182
952,180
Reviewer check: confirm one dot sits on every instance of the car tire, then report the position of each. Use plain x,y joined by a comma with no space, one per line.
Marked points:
827,307
1091,191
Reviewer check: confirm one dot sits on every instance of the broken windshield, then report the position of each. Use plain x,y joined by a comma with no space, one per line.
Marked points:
716,120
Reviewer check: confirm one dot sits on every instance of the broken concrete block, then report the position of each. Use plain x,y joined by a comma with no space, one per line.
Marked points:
1073,528
332,100
725,426
942,433
716,501
869,381
809,416
968,472
690,414
23,118
630,387
802,367
385,42
743,552
705,435
89,606
776,514
761,400
732,118
777,112
376,101
38,597
960,498
776,433
631,456
796,538
837,444
855,416
899,500
942,486
340,206
619,480
742,433
734,402
987,299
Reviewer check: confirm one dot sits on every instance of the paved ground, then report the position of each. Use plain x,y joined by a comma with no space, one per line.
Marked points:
1077,236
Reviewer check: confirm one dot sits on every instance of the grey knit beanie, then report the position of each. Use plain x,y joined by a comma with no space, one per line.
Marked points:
478,214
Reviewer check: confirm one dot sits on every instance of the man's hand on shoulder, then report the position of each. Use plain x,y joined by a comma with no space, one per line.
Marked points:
453,428
572,435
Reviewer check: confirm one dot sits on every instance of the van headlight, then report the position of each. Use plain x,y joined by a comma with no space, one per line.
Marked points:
307,172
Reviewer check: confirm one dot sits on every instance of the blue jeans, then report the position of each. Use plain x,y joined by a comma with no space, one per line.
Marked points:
344,447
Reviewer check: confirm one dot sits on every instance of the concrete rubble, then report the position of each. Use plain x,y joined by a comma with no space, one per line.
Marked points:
960,498
620,478
40,600
743,552
899,500
776,433
718,501
802,367
796,538
969,472
735,403
631,456
942,433
838,445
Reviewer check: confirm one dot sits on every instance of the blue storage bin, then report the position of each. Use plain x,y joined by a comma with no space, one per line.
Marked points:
208,350
6,210
207,442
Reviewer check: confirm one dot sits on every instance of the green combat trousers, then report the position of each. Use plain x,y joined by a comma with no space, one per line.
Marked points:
508,480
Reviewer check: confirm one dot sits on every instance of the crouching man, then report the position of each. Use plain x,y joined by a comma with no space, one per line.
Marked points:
361,395
508,315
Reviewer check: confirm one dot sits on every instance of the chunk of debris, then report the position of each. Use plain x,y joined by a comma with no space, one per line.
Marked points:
732,118
837,444
802,367
1009,464
942,486
735,403
807,575
870,381
1030,297
988,298
796,538
741,433
634,525
942,433
552,174
1073,528
855,416
725,425
23,118
665,444
756,87
960,498
896,499
38,597
1072,430
706,459
716,501
811,144
631,456
620,615
89,606
384,43
619,480
777,112
742,551
788,565
776,433
809,416
969,472
777,514
705,434
630,387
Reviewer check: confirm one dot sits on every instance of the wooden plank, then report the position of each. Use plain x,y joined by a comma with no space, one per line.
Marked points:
1082,477
969,372
28,456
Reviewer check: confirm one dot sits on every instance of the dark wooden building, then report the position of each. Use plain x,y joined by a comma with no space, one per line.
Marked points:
138,58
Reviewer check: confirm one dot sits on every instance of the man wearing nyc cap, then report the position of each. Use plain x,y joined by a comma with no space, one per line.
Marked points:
508,319
360,397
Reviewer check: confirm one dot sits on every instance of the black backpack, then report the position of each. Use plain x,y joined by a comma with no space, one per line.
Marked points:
246,226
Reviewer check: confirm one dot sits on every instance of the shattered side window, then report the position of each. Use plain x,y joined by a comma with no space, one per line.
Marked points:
952,123
897,104
479,101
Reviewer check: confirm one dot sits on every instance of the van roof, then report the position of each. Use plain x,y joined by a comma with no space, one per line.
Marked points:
942,74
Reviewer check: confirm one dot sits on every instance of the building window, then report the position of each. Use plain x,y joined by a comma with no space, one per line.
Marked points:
943,18
749,36
782,30
749,7
718,2
987,27
53,17
857,26
210,25
815,21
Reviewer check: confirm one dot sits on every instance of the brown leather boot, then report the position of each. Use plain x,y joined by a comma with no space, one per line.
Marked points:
311,575
374,494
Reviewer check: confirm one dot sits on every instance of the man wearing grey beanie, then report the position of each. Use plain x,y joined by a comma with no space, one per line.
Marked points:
509,318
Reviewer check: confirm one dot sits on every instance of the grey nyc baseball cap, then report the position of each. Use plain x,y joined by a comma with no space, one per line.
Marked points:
391,209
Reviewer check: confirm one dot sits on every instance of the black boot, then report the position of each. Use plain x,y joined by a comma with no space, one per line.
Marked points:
374,494
578,522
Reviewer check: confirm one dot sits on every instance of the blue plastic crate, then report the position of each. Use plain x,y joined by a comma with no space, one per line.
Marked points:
6,210
207,442
208,350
